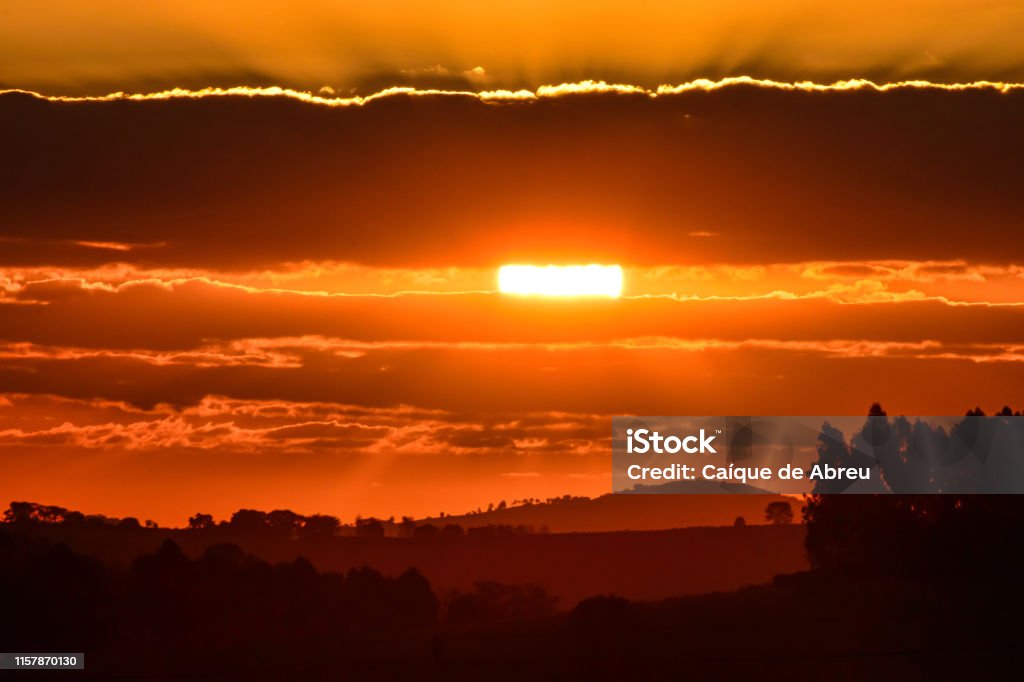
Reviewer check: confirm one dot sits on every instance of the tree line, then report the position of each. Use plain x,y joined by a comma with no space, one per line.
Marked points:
223,605
279,522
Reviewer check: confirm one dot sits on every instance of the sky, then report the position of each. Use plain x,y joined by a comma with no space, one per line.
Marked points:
285,295
74,47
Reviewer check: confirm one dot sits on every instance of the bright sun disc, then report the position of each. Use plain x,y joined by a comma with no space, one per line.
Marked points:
561,280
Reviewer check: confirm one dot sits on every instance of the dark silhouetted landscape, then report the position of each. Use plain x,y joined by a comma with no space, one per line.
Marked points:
898,587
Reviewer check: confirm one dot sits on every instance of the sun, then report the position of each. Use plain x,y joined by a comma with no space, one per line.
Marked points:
561,280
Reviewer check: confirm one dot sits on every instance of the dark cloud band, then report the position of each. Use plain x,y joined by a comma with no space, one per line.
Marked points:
235,182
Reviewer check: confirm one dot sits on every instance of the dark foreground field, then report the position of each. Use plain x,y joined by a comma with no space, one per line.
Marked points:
899,587
231,617
803,626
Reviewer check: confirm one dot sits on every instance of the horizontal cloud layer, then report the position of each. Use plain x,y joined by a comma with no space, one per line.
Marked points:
184,315
739,174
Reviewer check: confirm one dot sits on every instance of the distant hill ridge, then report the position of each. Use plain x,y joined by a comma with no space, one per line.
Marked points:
703,503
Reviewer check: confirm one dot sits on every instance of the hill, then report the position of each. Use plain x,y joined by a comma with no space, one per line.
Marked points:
690,504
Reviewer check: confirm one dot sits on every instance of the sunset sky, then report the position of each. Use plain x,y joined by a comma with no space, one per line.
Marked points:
288,297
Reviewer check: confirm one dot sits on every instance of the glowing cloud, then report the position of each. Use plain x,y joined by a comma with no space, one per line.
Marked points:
504,96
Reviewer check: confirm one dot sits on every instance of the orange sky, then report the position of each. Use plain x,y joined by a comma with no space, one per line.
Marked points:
214,302
67,46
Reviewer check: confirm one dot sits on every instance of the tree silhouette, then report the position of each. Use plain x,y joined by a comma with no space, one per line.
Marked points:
129,523
248,521
284,522
370,527
224,609
200,521
319,525
832,451
779,512
493,602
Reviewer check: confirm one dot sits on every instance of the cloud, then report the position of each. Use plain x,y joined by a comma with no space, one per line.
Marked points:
629,376
591,172
202,316
245,426
954,281
324,457
583,87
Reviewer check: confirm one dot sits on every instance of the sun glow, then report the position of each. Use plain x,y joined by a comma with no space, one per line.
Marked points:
561,280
